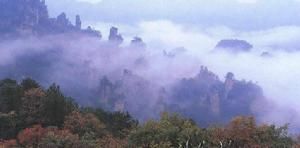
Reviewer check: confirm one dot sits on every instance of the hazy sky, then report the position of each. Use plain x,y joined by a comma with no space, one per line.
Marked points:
235,14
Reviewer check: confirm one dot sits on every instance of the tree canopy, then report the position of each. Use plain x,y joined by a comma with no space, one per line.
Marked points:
31,116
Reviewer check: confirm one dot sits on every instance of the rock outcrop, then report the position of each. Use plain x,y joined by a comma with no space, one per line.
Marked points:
21,14
115,37
78,22
137,42
213,99
20,17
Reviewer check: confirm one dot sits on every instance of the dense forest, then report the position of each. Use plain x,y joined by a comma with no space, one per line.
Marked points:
32,116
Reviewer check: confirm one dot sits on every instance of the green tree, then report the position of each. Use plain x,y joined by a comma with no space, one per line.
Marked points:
170,131
10,96
8,125
28,84
120,124
61,139
57,106
272,136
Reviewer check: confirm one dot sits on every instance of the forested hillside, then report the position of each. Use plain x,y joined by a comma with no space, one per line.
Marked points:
32,116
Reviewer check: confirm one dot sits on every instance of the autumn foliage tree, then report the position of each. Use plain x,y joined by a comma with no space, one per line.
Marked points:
51,137
174,131
31,137
83,123
32,106
33,117
170,131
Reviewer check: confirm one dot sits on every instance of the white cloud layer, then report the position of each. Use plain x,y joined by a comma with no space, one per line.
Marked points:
270,25
278,75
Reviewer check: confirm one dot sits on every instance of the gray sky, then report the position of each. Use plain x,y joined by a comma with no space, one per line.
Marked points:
235,14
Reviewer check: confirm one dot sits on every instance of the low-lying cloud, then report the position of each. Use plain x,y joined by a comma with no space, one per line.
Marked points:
277,74
79,62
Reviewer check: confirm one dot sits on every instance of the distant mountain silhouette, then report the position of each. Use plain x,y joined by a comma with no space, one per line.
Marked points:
234,45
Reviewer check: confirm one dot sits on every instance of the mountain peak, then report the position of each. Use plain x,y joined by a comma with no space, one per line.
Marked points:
19,17
234,45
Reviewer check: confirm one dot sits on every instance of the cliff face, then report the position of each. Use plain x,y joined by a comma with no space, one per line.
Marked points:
207,96
204,98
114,36
31,16
22,14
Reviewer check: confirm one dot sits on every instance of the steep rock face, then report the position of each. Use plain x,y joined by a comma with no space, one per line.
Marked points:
207,99
234,45
109,94
78,22
229,82
62,20
20,17
22,14
92,32
203,98
138,42
115,37
200,93
130,93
